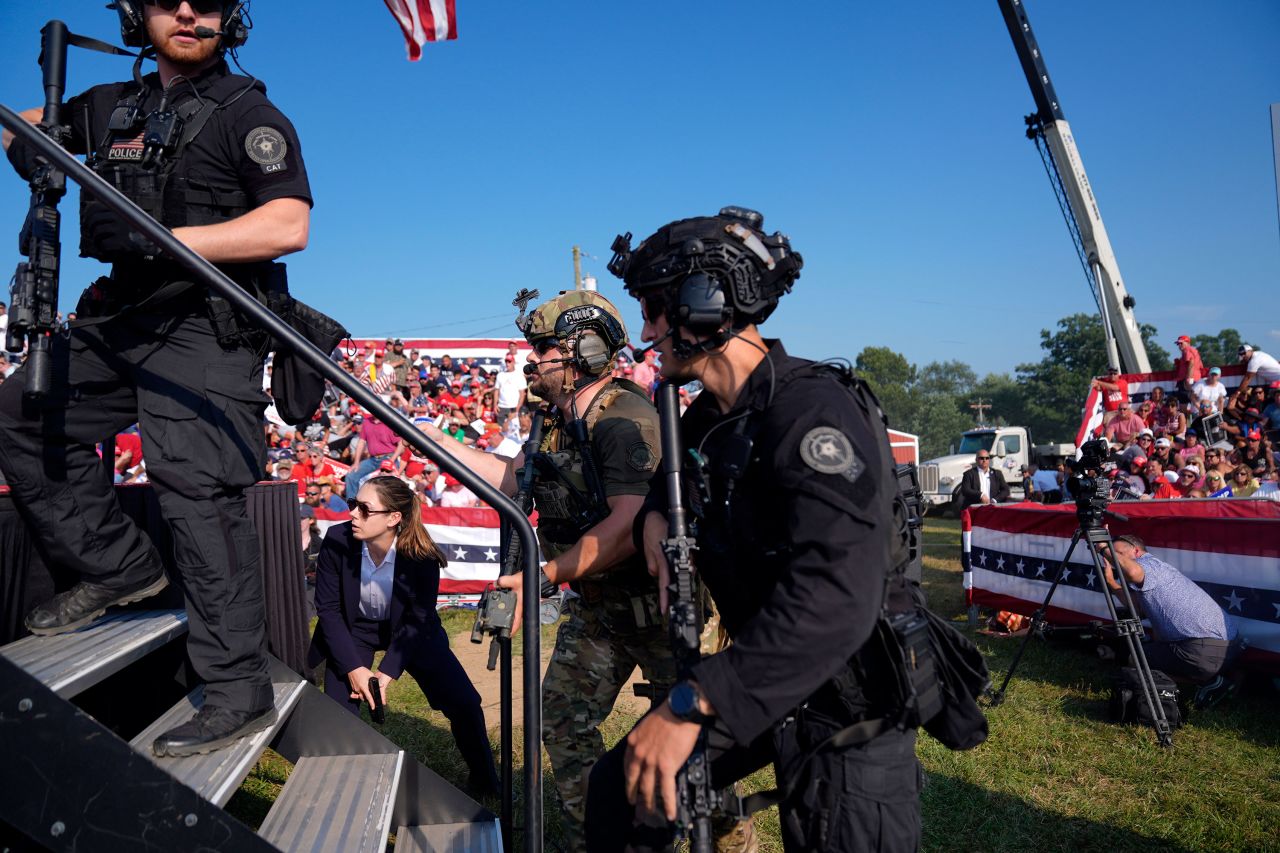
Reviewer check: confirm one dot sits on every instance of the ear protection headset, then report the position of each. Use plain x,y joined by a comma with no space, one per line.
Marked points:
592,335
133,24
589,352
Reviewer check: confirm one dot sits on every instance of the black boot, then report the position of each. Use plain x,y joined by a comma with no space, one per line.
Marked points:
85,602
211,728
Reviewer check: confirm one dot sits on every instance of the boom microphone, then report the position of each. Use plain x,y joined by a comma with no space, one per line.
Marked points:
530,369
641,353
207,33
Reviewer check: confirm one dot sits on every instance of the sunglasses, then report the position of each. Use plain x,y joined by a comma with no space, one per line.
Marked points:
980,458
546,345
313,494
200,7
363,509
1242,473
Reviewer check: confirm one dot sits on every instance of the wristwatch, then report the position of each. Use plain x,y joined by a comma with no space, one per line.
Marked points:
683,702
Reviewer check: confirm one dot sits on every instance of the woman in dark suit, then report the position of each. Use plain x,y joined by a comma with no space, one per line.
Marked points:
376,585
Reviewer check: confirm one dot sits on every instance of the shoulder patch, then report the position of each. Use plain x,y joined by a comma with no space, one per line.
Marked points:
828,451
640,456
266,146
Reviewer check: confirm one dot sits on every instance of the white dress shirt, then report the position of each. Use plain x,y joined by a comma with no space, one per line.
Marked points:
375,583
984,480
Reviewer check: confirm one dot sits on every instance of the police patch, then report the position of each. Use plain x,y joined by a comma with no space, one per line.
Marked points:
827,451
640,456
266,147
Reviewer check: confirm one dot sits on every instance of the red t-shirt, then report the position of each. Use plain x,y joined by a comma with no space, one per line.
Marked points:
1111,400
1166,490
1190,358
130,441
304,472
297,475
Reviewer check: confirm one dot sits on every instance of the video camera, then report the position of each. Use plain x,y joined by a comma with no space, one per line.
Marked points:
1087,483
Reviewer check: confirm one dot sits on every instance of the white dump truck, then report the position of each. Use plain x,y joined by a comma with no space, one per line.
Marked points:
1011,448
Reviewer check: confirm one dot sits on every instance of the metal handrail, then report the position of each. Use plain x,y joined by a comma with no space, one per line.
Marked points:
286,337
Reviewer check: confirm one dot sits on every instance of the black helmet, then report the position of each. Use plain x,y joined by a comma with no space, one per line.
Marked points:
714,270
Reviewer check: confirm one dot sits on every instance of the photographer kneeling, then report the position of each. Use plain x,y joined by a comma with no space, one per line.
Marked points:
1191,634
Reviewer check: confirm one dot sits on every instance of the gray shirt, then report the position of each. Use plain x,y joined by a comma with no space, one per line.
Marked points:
1177,607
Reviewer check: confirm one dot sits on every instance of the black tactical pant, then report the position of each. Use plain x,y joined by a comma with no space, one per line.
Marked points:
863,798
200,411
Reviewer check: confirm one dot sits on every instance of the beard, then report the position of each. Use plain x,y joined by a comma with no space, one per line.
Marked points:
195,55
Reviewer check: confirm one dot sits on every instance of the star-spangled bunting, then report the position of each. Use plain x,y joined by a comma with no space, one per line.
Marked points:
1250,603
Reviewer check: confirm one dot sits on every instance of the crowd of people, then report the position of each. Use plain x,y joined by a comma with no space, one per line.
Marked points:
474,401
1197,440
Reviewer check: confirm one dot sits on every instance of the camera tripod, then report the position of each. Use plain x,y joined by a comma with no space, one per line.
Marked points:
1095,536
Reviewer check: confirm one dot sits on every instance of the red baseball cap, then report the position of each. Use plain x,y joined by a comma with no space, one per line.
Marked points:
1183,339
450,480
1139,461
386,465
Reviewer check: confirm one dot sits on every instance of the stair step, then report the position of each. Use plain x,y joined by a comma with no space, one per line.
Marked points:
73,662
217,775
480,837
339,803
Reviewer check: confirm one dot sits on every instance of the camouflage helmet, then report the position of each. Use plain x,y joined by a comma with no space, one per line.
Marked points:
573,312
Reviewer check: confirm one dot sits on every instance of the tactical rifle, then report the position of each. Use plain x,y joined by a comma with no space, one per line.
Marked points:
33,295
693,783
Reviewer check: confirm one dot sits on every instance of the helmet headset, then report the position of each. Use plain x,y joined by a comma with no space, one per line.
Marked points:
234,29
586,326
711,275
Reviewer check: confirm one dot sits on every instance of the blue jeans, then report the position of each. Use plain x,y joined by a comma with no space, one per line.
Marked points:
366,467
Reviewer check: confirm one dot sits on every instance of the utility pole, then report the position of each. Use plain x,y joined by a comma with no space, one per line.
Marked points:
577,267
981,408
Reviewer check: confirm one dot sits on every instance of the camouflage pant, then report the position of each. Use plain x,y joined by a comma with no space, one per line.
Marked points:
588,668
586,674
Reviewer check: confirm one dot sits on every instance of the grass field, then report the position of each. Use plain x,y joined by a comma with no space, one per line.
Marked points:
1054,775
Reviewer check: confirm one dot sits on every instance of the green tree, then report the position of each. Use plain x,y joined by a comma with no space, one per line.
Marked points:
949,378
1056,387
891,377
1218,350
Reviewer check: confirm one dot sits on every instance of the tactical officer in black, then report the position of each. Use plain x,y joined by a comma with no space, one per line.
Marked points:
791,485
210,157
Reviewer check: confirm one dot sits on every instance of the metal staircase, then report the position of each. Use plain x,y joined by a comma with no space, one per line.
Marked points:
70,783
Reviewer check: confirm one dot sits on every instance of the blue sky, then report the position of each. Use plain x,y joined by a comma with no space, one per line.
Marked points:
886,139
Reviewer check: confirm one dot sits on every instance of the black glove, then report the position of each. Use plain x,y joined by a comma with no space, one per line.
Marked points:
111,239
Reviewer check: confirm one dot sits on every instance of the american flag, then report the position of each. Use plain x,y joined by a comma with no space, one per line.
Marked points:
423,21
469,539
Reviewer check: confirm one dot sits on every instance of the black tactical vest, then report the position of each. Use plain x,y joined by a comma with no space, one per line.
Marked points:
168,190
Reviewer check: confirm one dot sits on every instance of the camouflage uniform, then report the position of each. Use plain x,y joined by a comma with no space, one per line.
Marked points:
616,625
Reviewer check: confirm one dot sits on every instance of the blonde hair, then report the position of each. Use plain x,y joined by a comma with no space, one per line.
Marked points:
412,538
